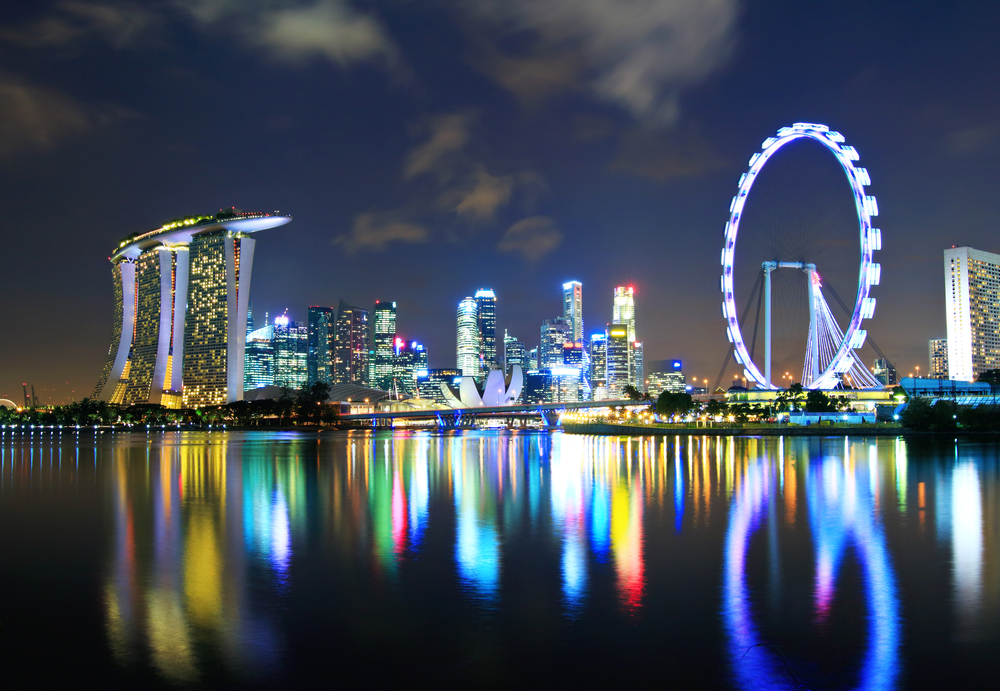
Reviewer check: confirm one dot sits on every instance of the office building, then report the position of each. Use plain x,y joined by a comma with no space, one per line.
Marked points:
350,360
249,317
598,360
555,332
409,358
429,383
322,335
619,365
383,345
291,353
972,311
624,309
673,380
938,355
513,353
258,368
467,348
537,386
573,308
532,360
885,372
486,314
181,300
638,370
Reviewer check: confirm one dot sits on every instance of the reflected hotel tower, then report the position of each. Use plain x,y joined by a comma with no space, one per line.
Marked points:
181,294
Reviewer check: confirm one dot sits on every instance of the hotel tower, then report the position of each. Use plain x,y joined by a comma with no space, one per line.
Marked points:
972,310
181,296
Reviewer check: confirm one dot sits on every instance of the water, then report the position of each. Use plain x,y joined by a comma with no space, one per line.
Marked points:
498,559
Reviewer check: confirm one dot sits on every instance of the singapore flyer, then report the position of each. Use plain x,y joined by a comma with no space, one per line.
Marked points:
830,355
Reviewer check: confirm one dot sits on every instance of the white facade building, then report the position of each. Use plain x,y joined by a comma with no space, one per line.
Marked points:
972,307
467,350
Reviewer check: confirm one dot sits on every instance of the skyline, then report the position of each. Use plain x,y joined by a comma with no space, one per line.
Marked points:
460,144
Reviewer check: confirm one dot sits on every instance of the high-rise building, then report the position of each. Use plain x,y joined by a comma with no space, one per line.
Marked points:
972,307
467,349
555,332
258,368
624,309
938,353
885,372
638,370
513,352
673,380
532,361
249,316
181,296
291,353
598,360
429,382
322,333
383,349
350,359
573,308
486,306
410,357
619,369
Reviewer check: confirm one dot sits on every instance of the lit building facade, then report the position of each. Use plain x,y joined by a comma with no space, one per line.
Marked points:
513,352
623,311
181,300
885,372
619,365
383,349
429,383
573,308
486,314
972,311
598,361
291,353
409,358
555,332
350,359
937,351
258,368
467,338
322,336
638,369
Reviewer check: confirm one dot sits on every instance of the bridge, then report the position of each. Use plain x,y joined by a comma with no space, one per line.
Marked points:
466,418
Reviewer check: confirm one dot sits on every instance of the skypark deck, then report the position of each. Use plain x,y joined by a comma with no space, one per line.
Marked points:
456,418
181,231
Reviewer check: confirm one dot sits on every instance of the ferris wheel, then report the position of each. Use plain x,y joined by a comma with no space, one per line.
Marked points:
830,351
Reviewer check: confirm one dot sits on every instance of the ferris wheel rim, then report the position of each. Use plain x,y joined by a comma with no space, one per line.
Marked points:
869,272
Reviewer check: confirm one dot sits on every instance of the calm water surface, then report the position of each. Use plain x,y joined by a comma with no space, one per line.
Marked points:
500,560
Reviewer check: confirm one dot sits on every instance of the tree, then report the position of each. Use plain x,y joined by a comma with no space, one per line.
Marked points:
632,393
671,404
819,402
991,377
715,408
310,399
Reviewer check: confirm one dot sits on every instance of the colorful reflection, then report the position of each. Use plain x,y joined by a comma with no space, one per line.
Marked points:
840,504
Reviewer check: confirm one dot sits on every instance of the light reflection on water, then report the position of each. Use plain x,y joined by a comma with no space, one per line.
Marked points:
211,535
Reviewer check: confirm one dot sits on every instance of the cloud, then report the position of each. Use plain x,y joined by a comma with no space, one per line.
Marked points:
35,117
971,140
376,230
118,23
637,53
533,237
487,194
330,29
298,31
449,135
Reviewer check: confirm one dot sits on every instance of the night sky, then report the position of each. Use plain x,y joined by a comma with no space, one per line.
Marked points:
427,148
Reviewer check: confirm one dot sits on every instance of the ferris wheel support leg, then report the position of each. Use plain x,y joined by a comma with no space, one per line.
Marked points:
768,267
810,269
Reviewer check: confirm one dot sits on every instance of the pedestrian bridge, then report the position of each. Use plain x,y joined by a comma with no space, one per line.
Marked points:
466,418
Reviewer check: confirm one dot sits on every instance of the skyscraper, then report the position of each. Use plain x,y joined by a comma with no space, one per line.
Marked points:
638,370
573,308
619,370
181,300
885,372
624,309
486,305
291,353
513,352
555,332
467,348
383,339
410,357
972,311
322,333
598,361
938,353
258,369
350,360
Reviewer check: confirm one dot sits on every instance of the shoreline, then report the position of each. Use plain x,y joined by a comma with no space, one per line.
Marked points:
787,431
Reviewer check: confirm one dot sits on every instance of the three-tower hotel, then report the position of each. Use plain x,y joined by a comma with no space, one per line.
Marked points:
181,297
